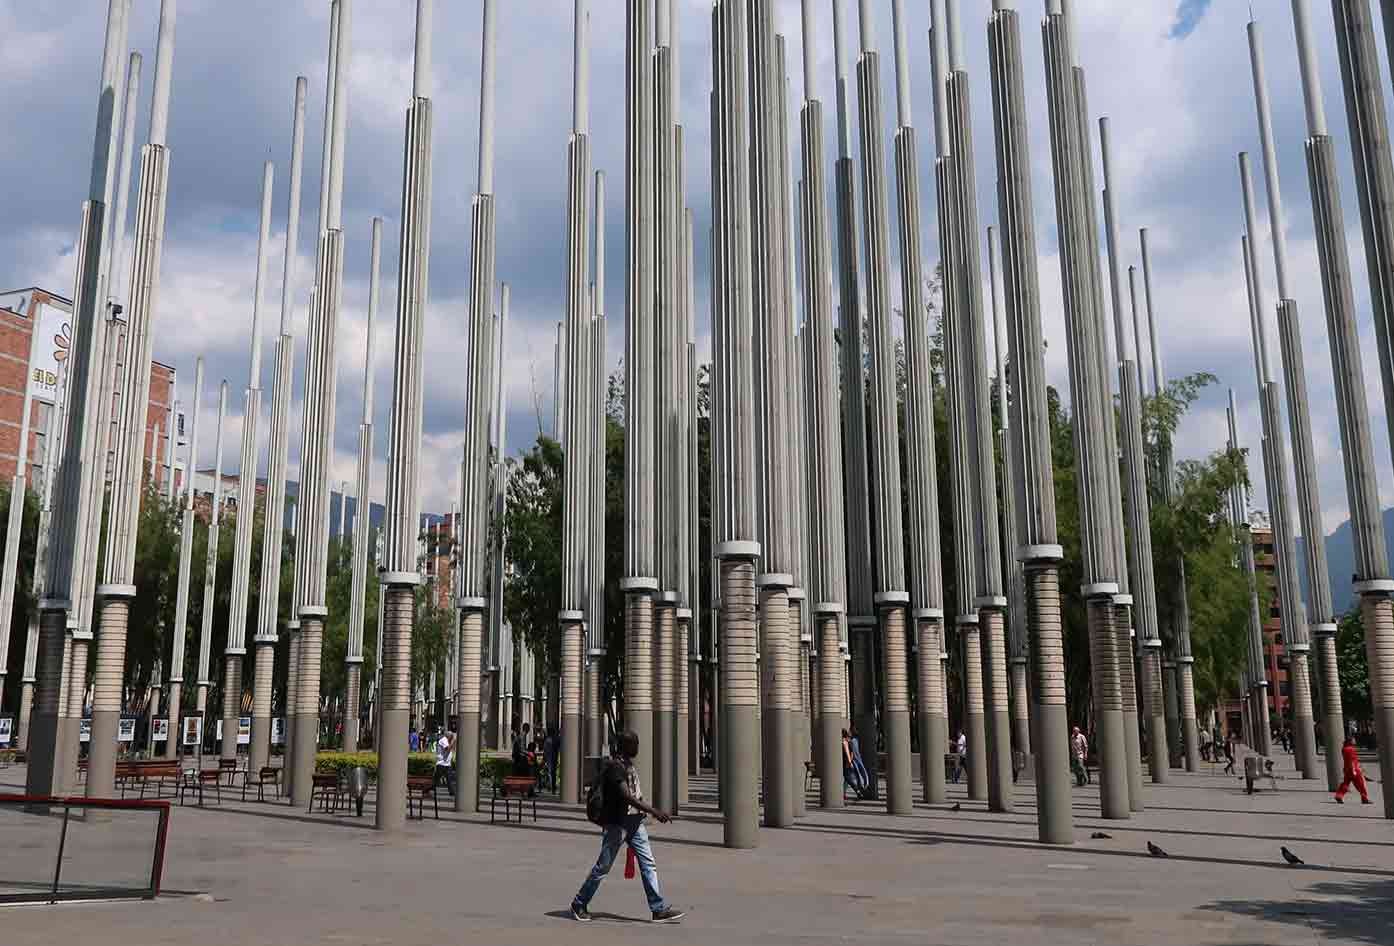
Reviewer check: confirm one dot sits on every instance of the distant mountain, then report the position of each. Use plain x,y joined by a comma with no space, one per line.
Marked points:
1340,561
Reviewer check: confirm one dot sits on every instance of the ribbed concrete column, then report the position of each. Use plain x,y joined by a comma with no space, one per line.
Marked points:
321,382
891,597
1089,392
681,760
734,518
1034,501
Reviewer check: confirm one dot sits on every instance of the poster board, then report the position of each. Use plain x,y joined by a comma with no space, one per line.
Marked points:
84,730
193,730
278,731
7,725
161,727
218,730
244,730
126,729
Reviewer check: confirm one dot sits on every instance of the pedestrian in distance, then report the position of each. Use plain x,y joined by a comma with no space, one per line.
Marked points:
621,812
858,765
1352,775
1229,754
850,778
960,756
1079,756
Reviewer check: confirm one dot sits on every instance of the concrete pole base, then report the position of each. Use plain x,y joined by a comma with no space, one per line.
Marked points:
664,759
975,727
740,795
1157,765
352,689
933,746
681,762
307,717
570,759
1304,734
392,769
1133,747
26,709
113,614
996,714
232,706
176,695
778,746
1054,796
639,688
394,706
1113,775
1333,732
595,719
900,793
1020,710
1333,723
467,775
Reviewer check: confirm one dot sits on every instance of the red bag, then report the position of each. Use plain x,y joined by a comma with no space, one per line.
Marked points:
629,861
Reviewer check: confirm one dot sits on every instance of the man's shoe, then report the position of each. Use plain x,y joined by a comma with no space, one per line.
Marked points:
668,916
1340,800
580,914
1364,801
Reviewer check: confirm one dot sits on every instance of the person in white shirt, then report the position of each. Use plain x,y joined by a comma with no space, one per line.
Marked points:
961,750
445,761
1079,756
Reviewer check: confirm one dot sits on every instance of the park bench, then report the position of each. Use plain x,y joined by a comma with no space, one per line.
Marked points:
325,786
268,775
509,787
157,774
419,787
197,780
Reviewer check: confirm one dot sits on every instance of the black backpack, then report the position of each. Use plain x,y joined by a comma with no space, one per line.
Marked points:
595,796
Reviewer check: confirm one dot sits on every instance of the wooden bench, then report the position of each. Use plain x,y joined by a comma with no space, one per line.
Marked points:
520,787
419,787
269,775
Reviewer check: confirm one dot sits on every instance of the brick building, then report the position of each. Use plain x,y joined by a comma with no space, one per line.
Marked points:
35,335
1275,658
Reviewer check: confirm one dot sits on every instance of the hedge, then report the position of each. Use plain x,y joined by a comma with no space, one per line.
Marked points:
492,769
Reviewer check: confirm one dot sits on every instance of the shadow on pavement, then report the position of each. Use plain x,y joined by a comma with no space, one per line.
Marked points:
1359,911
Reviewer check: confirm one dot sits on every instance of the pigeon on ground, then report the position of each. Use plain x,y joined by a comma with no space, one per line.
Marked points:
958,806
1100,836
1156,851
1292,858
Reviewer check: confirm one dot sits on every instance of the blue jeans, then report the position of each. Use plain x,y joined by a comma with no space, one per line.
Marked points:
616,836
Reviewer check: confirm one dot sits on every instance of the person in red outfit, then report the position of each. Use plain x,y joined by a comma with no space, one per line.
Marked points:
1353,775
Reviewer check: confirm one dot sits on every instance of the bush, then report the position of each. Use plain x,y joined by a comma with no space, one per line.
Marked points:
493,769
342,763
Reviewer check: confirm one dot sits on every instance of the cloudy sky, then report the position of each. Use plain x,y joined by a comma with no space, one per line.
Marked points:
1173,77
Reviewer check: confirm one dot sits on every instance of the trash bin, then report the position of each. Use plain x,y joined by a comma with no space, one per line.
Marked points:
358,787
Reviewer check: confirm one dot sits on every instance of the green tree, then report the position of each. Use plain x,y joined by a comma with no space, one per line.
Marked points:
1353,664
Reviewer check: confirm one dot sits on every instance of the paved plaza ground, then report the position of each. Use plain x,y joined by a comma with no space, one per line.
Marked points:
268,874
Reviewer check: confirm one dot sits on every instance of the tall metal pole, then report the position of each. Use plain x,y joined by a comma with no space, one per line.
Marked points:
353,657
891,597
321,377
1039,551
827,574
926,581
1095,453
47,746
498,504
595,619
861,613
210,567
778,644
181,599
1254,676
118,572
736,547
1296,634
474,501
398,576
277,452
236,651
1347,368
1137,603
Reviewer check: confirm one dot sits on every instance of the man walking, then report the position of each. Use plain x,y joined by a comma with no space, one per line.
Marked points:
1353,775
622,820
1079,756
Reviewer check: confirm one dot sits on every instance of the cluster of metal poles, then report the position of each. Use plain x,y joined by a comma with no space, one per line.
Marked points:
828,582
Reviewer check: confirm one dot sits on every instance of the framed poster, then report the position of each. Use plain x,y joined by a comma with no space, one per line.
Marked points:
84,731
161,729
244,730
218,730
6,730
193,730
278,731
126,729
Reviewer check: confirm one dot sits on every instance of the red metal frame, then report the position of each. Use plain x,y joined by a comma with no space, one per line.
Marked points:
157,868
